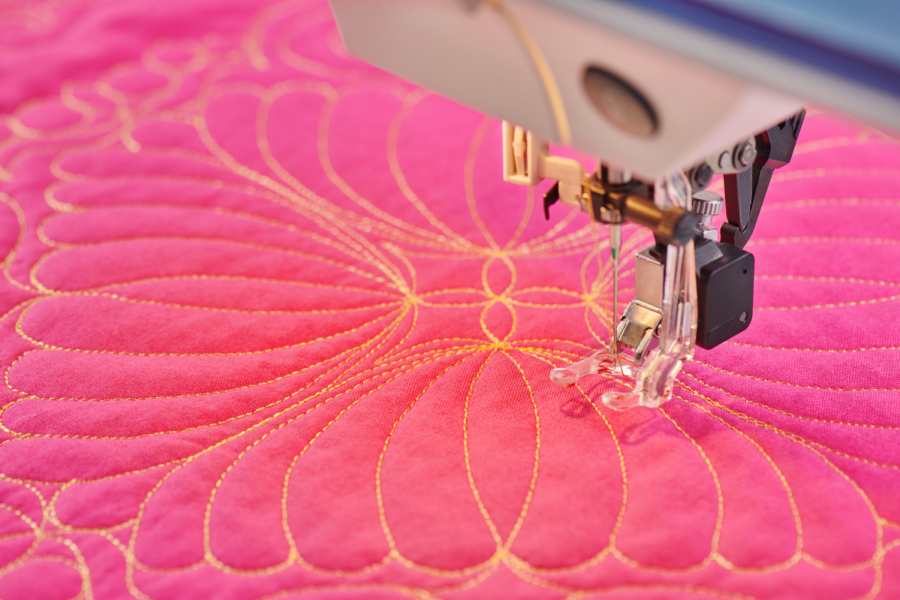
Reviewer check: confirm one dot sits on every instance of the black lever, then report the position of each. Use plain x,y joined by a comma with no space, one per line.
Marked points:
745,191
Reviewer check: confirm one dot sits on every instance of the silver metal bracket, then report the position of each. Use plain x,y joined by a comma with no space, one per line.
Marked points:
644,314
637,327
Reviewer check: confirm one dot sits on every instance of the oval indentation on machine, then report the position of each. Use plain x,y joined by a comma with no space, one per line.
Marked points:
619,102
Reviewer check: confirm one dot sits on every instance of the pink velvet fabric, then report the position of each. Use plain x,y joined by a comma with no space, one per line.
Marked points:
274,327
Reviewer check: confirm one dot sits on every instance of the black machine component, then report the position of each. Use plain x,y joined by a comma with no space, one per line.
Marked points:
724,291
745,191
724,269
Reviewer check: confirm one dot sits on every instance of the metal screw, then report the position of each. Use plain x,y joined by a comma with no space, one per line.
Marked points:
724,159
744,317
707,205
701,176
747,155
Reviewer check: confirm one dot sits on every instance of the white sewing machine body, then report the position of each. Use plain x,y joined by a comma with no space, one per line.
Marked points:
705,90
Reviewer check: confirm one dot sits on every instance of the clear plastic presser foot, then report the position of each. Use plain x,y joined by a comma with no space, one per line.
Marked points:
599,362
654,377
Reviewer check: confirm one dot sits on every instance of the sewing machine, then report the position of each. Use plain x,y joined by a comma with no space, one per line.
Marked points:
667,93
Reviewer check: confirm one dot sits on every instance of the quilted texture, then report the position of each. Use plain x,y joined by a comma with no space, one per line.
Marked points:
274,327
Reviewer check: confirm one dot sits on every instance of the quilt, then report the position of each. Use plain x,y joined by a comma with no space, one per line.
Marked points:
272,326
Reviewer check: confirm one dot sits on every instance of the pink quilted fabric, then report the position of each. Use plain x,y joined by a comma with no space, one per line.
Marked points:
274,327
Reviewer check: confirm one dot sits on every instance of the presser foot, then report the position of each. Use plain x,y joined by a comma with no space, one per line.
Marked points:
652,385
664,308
604,363
653,381
600,362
